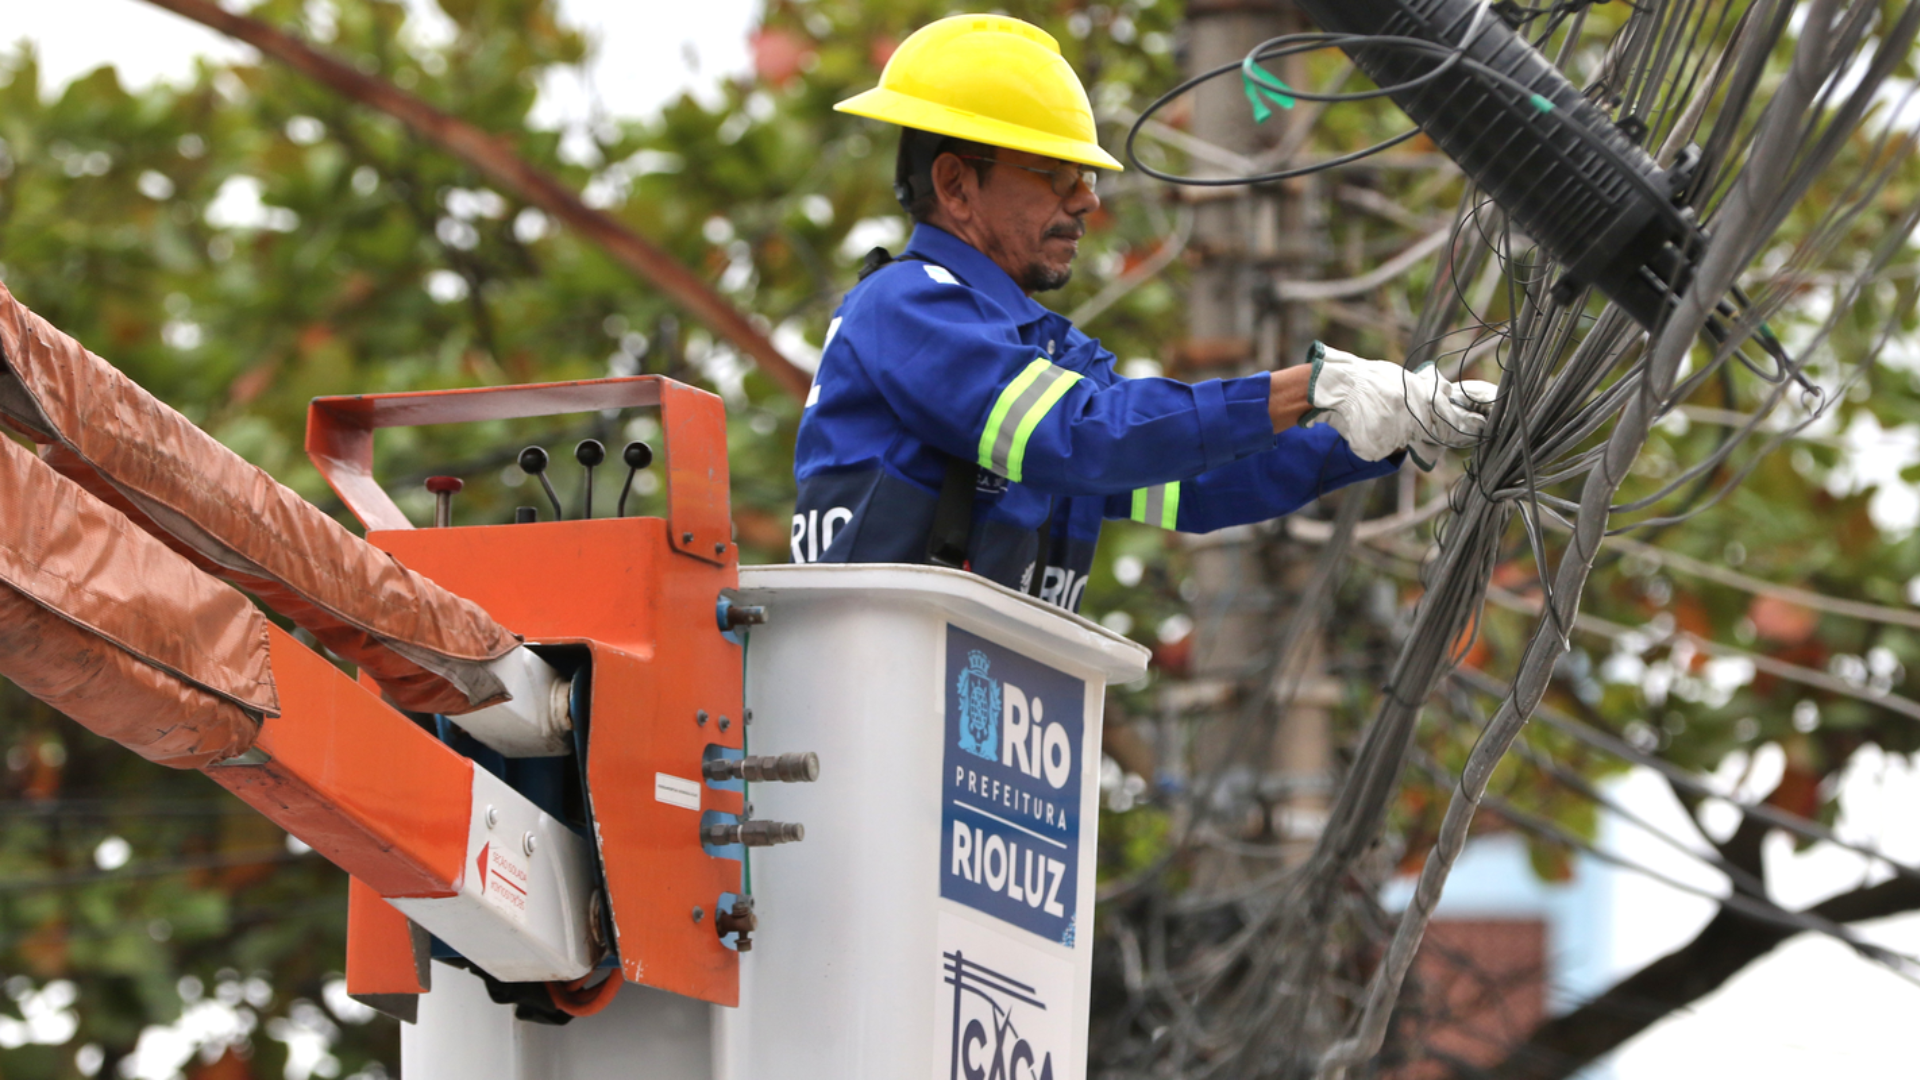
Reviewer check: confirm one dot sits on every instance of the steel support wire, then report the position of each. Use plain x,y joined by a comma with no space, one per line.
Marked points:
1753,906
1608,743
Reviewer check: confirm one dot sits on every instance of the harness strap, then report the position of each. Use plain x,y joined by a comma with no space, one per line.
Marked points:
1041,557
952,531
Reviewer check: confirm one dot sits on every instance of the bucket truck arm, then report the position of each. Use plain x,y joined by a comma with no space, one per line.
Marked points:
559,813
430,648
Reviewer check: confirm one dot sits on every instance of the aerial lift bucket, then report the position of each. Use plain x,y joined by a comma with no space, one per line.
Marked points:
938,920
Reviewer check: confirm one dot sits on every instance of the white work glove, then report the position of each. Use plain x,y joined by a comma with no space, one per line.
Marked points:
1380,406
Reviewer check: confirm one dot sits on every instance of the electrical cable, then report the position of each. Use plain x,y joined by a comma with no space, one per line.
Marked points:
72,878
1579,393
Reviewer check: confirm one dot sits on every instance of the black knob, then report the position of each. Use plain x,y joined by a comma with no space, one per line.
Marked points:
637,455
589,453
533,462
525,515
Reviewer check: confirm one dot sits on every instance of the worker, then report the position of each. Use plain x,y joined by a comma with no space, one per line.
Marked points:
953,420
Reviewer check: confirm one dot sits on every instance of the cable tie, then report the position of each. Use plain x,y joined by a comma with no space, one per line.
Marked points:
1259,84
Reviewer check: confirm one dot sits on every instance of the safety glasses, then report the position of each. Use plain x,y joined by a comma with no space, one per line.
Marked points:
1064,177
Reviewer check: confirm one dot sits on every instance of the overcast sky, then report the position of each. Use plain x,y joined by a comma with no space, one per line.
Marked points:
648,51
1811,1009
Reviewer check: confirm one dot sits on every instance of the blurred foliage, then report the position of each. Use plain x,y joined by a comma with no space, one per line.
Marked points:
246,241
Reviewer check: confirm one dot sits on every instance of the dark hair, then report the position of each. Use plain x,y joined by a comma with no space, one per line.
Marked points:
913,168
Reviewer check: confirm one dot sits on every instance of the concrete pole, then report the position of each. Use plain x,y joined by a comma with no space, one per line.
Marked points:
1242,237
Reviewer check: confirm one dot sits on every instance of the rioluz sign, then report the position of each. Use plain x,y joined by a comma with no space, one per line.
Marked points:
1013,785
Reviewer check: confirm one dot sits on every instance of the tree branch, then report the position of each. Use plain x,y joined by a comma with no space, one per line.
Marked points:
490,155
1564,1045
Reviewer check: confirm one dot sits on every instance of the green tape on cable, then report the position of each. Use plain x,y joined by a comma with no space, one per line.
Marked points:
1262,88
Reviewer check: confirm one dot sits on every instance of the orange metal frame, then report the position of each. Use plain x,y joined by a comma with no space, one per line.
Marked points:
639,594
356,780
340,442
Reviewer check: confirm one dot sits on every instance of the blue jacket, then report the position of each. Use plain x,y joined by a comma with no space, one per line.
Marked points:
940,354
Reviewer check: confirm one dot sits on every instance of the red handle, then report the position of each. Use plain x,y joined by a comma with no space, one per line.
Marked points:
340,442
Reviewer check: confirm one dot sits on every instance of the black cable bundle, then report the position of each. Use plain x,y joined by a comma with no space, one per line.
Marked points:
1564,172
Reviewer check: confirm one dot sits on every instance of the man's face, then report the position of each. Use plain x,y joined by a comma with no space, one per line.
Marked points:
1024,227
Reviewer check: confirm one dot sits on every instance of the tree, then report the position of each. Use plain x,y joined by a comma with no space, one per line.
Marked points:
251,239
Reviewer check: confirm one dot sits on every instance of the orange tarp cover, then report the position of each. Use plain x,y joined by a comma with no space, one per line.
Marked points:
425,646
108,625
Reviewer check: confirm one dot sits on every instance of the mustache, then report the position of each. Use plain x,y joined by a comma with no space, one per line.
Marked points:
1070,232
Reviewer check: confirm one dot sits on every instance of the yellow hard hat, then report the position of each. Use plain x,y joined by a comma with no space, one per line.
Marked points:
987,79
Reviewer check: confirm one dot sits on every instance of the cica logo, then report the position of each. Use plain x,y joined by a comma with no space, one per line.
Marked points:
987,1038
1011,816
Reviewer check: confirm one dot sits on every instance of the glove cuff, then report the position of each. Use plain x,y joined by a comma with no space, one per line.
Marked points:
1316,356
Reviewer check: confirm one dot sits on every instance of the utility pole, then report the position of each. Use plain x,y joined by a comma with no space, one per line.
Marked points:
1243,237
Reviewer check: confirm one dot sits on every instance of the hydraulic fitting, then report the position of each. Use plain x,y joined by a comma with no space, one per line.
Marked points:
801,768
753,833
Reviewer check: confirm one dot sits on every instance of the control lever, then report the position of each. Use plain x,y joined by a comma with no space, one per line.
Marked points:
444,488
802,768
637,455
753,833
533,462
589,454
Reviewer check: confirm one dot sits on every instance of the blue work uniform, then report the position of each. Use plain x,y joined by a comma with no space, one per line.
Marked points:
940,355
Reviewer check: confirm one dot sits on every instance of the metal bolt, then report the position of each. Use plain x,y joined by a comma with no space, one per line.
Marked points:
699,913
596,912
740,920
528,843
493,817
700,717
746,717
686,538
725,723
739,615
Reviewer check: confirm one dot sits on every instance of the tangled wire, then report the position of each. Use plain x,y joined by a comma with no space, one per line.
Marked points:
1281,993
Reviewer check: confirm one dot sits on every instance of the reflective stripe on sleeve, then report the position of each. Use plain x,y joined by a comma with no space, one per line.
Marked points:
1019,409
1159,505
